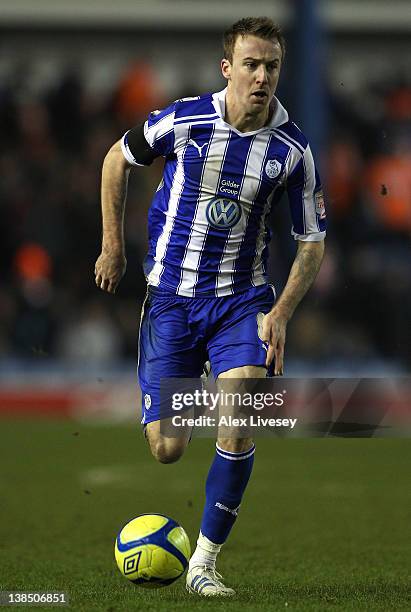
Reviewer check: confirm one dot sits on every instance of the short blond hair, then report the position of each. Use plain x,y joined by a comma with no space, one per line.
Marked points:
262,27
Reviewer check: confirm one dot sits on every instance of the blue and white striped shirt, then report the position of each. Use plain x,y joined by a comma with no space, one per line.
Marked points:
207,221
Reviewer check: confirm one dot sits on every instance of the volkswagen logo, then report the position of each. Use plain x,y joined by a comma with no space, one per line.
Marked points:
223,213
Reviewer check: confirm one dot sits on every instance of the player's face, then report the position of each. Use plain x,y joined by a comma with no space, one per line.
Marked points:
254,72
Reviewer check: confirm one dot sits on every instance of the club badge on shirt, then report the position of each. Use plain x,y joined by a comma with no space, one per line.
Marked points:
272,168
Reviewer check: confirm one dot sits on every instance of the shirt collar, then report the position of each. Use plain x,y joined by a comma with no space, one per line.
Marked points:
279,117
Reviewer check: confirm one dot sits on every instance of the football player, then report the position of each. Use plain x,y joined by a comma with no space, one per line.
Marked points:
229,156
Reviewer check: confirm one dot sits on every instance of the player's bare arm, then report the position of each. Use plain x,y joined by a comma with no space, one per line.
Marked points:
302,275
111,264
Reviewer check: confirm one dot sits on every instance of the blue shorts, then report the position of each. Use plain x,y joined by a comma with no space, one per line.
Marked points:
179,334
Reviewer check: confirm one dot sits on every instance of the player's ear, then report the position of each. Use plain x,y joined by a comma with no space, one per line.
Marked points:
226,68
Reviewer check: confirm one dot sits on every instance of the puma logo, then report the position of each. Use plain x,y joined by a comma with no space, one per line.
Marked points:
199,149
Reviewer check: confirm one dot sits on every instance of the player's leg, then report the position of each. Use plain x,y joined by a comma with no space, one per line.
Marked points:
232,443
164,448
169,347
237,342
225,486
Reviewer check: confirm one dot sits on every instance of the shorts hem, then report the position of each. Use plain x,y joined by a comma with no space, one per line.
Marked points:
216,373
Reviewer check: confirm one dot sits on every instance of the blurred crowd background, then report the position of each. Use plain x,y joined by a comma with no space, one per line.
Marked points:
69,90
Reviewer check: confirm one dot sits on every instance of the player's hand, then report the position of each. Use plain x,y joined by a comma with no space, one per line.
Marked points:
273,332
109,270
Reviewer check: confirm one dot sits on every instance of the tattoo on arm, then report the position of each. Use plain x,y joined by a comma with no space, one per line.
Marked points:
303,272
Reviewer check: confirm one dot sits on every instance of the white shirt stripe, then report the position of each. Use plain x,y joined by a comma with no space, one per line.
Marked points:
288,138
164,238
258,270
196,117
249,189
199,228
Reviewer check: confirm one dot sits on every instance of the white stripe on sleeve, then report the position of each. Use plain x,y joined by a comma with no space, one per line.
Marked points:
308,201
158,130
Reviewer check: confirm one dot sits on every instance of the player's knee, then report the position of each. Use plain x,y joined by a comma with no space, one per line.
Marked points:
168,450
164,449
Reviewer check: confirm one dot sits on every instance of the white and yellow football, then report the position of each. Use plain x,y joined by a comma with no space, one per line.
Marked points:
152,550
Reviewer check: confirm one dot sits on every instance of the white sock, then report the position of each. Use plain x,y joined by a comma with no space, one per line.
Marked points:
205,553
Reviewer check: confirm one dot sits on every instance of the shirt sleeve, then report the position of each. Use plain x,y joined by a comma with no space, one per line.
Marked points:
306,200
158,133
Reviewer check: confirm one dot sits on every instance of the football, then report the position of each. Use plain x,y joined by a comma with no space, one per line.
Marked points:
152,550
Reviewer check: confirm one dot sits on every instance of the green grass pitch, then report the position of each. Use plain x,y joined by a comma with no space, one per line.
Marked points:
325,523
